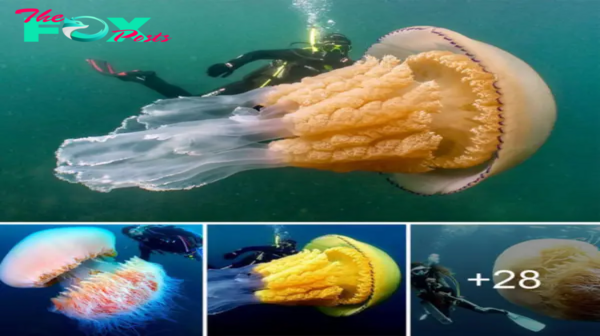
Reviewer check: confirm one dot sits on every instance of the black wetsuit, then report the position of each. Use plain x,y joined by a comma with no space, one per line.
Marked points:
287,66
167,239
444,297
260,254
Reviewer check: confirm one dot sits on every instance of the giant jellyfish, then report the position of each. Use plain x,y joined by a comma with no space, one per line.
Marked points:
436,111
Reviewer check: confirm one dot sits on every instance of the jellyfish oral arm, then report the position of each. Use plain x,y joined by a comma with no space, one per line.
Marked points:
231,288
337,276
182,156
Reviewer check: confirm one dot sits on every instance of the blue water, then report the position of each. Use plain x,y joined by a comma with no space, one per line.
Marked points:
386,318
468,250
25,312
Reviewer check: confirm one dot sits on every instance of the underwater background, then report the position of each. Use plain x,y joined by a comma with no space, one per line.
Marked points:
25,312
48,93
386,318
455,245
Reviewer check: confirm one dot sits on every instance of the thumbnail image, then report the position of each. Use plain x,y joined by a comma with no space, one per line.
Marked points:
306,280
101,279
505,279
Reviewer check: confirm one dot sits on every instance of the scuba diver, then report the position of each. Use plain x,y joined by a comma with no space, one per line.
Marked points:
440,294
286,66
260,254
165,239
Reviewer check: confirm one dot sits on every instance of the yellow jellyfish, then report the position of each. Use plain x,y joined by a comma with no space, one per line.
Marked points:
437,110
337,274
569,278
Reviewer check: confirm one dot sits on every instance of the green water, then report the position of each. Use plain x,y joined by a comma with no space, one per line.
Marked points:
48,94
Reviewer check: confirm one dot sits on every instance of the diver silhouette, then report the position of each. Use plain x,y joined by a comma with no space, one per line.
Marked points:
287,66
165,239
283,247
439,293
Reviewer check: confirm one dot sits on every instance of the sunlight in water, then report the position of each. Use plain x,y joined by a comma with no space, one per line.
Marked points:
452,232
316,12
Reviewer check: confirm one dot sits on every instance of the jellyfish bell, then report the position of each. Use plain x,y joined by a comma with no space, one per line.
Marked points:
102,295
43,257
337,274
384,272
517,112
569,278
437,110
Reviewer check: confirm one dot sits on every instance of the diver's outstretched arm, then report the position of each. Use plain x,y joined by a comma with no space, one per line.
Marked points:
279,54
226,69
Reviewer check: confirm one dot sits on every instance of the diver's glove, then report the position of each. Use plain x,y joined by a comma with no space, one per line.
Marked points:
229,256
220,70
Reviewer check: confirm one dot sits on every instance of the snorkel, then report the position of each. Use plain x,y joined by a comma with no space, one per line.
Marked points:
277,240
313,38
314,32
318,47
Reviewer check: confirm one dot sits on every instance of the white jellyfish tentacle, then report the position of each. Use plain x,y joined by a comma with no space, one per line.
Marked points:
231,288
182,153
171,111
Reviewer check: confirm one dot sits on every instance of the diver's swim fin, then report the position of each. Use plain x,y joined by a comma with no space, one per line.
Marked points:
526,322
102,67
105,68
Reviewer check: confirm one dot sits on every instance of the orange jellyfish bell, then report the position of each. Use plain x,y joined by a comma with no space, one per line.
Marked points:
437,110
520,110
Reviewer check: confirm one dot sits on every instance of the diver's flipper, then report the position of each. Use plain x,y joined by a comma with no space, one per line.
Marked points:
105,68
432,310
102,67
526,322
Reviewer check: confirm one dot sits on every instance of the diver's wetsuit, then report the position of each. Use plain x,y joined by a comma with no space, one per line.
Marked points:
295,64
166,239
432,288
287,66
261,254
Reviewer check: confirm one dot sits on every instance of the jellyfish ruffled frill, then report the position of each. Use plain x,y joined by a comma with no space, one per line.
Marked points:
438,111
102,295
